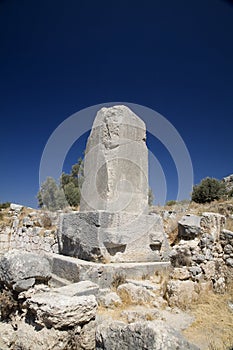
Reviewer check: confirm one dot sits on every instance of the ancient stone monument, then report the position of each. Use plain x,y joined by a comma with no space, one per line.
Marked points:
113,224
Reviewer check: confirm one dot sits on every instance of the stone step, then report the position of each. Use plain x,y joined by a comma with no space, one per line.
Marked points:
57,281
76,270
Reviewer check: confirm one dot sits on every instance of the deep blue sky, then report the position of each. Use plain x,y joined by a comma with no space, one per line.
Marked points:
58,57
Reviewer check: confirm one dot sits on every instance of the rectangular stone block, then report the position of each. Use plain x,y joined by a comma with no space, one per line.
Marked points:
113,237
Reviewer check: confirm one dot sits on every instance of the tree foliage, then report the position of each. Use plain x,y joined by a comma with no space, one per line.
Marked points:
53,197
150,197
171,202
5,205
72,183
208,190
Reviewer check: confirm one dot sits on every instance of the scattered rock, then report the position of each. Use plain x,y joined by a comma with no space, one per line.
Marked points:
182,293
20,270
212,223
180,273
209,269
140,313
16,207
154,287
25,337
130,293
177,319
86,338
189,227
78,289
110,300
52,310
151,335
181,256
229,262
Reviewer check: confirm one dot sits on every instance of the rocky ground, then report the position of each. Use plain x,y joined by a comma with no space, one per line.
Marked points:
186,306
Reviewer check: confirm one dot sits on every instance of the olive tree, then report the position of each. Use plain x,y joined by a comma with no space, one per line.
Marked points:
208,190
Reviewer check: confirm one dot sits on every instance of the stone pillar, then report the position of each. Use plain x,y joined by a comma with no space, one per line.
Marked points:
113,224
116,163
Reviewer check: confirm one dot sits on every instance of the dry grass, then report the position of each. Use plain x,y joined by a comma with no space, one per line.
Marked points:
120,313
46,221
118,279
224,207
173,236
24,212
229,224
8,305
212,328
5,219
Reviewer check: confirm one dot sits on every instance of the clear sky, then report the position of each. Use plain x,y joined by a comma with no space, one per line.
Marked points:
58,57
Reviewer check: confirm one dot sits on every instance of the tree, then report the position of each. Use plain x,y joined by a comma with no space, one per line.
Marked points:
208,190
171,202
72,183
150,197
51,196
72,194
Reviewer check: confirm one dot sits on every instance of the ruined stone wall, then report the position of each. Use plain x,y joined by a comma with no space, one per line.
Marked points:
28,229
204,250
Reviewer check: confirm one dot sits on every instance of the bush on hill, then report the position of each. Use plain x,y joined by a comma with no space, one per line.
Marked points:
208,190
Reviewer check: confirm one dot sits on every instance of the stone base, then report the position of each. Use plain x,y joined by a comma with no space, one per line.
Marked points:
74,270
106,237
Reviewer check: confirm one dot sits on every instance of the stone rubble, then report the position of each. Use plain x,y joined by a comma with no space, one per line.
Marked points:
204,252
151,335
20,270
30,231
201,258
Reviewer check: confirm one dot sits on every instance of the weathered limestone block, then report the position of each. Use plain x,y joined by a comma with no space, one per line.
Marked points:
27,337
20,270
16,207
86,338
60,311
209,269
110,300
151,286
226,237
180,273
78,289
130,293
182,293
181,255
189,227
140,314
113,237
71,269
153,335
116,163
213,224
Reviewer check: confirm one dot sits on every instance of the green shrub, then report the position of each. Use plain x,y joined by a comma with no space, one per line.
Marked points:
5,205
150,197
170,203
208,190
